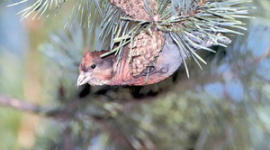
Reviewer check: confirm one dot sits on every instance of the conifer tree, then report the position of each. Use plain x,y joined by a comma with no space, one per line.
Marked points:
194,109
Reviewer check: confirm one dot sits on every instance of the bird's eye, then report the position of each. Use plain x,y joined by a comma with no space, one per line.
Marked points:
93,66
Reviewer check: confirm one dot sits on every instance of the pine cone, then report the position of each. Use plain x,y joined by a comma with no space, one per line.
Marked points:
135,8
145,50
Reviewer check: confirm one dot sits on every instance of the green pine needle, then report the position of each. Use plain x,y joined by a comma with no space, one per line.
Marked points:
193,24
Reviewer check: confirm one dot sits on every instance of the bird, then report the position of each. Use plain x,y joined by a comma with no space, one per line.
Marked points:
97,70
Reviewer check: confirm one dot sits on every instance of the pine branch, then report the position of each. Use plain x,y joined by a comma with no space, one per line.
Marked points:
19,104
193,24
66,113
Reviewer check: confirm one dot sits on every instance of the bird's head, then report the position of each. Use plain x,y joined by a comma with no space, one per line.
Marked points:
96,70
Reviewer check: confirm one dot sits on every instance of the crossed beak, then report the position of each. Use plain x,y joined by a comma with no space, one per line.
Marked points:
82,79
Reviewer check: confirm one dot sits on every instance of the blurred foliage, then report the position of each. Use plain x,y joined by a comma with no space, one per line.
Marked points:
225,106
13,44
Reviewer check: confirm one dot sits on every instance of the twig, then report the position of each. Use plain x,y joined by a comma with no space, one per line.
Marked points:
19,104
67,112
50,111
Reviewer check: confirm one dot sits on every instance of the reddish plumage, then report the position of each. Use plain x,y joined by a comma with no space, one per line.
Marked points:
105,71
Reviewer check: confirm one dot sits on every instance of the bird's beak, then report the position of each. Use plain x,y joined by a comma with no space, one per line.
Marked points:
82,79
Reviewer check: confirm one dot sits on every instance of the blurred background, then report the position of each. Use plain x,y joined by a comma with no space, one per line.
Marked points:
224,106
